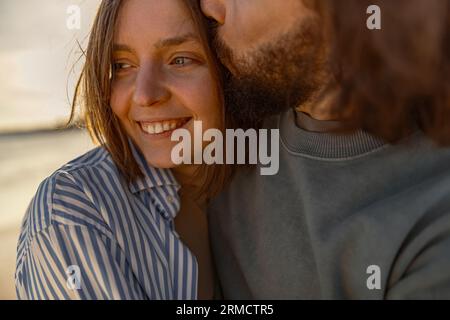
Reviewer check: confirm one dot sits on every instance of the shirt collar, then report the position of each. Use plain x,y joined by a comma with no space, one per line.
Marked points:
166,198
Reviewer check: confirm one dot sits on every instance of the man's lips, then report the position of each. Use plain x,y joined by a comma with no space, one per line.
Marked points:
162,126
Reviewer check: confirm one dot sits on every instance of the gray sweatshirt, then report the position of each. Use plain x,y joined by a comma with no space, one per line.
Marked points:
346,217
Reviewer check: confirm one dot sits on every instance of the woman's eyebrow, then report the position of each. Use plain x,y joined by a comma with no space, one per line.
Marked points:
122,47
161,44
177,40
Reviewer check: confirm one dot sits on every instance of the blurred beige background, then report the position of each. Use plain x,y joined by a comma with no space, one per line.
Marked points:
37,53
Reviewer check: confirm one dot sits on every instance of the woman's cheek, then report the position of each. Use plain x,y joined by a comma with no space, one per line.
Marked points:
212,107
119,100
205,102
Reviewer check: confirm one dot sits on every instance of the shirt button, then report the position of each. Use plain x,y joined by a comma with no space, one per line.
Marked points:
170,199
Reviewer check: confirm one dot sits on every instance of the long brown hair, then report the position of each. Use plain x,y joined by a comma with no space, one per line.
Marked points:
93,91
397,79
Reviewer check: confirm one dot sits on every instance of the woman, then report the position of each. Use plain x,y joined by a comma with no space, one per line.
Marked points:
122,222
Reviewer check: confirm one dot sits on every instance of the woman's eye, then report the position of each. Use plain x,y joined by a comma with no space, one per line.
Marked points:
121,66
181,61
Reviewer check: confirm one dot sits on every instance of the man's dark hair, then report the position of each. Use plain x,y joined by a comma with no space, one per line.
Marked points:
397,79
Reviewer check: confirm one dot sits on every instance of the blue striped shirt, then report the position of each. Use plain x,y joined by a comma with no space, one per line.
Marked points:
88,234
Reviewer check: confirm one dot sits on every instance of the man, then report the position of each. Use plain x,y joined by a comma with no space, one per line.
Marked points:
360,208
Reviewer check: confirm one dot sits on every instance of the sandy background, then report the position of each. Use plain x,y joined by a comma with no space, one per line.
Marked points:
25,160
37,58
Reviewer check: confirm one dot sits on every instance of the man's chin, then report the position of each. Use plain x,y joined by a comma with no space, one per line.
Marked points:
251,102
278,76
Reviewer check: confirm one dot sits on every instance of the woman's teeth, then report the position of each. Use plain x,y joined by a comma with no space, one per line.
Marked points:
163,126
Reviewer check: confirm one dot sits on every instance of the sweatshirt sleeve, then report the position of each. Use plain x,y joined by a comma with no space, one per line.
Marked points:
423,268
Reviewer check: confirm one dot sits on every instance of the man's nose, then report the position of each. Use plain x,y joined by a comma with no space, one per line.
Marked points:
149,88
214,9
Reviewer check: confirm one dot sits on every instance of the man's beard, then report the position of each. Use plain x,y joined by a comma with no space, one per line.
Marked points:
278,76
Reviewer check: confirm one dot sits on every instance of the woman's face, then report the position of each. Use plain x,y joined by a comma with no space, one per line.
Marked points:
162,80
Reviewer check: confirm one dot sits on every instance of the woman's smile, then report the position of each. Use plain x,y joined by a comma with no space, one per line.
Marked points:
162,128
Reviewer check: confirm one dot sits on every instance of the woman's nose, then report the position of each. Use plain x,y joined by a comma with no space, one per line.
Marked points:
149,87
214,9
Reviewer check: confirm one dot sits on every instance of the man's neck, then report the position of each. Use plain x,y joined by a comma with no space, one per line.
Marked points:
319,108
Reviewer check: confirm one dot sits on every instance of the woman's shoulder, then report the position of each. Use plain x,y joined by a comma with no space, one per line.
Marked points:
79,170
65,197
96,157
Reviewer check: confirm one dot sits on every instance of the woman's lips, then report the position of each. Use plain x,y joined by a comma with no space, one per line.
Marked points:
162,127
